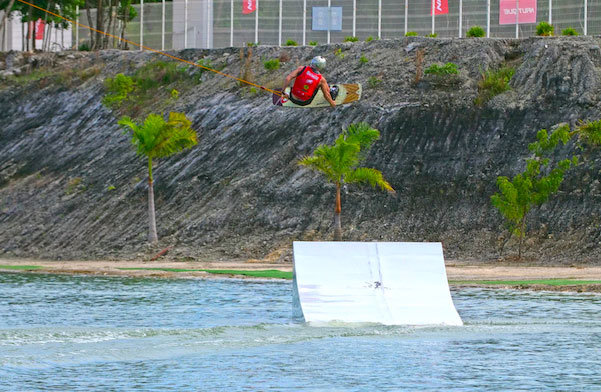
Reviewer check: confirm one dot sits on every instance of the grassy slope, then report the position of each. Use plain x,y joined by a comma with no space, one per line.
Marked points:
20,267
277,274
256,274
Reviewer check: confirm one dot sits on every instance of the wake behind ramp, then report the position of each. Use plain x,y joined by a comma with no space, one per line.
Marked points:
392,283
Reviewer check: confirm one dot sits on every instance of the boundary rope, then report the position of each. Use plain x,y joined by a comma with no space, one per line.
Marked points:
278,93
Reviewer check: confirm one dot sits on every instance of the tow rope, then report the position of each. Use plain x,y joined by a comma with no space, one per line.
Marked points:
276,92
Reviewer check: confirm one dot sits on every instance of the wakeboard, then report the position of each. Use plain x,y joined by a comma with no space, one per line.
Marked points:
347,93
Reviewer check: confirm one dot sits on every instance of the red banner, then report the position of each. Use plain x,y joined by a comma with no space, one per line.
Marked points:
507,11
39,29
441,7
249,6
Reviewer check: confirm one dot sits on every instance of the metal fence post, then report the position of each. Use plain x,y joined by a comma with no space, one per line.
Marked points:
163,26
76,27
354,18
280,26
257,22
304,22
433,12
185,24
209,23
460,18
329,18
487,18
585,17
141,24
550,11
379,19
517,19
406,14
231,22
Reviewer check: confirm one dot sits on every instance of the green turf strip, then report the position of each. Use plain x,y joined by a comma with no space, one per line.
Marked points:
21,267
257,274
548,282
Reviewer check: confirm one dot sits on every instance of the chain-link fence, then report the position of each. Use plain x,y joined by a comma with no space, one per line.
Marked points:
182,24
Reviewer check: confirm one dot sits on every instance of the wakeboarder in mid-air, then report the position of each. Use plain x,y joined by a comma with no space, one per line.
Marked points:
308,81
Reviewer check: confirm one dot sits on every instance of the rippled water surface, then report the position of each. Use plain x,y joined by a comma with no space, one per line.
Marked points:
63,333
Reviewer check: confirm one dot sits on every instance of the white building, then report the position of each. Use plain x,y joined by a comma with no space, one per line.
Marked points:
196,17
15,34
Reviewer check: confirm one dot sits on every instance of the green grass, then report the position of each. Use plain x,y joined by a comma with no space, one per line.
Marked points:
545,29
21,267
569,31
32,76
475,31
257,274
65,78
447,69
277,274
547,282
272,64
160,73
493,82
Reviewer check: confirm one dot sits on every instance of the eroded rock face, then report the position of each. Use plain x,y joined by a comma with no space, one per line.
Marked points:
71,186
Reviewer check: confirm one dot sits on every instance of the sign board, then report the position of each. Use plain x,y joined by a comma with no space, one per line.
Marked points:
248,6
441,7
39,29
507,11
325,18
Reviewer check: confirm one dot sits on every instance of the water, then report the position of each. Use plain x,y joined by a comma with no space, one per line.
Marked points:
63,333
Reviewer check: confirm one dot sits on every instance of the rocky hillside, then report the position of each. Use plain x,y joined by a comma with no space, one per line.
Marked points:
72,187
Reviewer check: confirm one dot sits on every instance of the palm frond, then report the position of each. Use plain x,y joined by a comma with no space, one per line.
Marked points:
150,134
344,156
319,163
339,162
370,176
126,121
177,136
179,120
157,138
361,134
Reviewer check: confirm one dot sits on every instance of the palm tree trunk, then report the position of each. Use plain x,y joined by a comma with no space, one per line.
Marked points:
522,234
337,212
33,34
4,26
29,29
152,226
45,38
123,44
99,24
115,24
108,28
92,34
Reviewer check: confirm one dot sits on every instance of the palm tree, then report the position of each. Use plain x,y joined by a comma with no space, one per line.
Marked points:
339,163
157,138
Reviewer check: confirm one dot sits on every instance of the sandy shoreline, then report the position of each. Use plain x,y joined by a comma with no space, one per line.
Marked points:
459,273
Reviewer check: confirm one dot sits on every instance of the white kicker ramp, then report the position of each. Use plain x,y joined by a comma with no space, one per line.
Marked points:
393,283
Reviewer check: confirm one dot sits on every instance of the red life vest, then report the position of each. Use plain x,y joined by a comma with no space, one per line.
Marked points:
306,84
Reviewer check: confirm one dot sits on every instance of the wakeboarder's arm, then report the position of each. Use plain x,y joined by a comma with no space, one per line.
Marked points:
292,75
325,88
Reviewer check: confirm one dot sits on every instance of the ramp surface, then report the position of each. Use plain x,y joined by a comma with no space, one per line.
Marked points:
394,283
